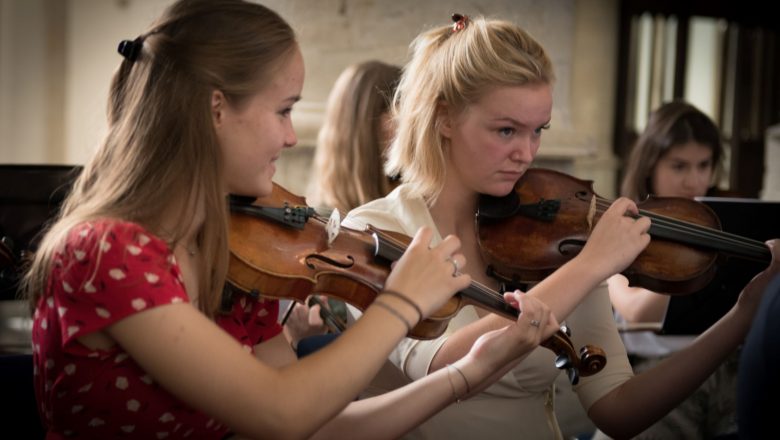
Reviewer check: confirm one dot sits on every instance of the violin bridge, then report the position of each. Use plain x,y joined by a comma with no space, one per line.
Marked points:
333,226
591,213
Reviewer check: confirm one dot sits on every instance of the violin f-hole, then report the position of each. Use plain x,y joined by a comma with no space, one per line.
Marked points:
329,261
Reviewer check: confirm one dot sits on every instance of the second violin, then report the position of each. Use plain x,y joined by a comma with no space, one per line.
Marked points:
546,221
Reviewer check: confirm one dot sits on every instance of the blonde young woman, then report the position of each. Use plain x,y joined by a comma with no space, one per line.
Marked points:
128,338
470,111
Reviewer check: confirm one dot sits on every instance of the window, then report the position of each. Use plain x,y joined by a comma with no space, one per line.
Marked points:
723,60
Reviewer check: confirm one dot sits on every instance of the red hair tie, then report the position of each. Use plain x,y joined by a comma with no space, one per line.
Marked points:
459,22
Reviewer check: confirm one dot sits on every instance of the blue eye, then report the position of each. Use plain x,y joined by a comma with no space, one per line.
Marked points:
539,130
506,131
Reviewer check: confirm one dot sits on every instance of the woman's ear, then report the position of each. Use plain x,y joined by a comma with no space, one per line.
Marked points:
444,120
218,103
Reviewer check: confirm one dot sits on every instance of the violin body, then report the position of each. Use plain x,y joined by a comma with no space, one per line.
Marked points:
547,220
288,262
666,266
280,248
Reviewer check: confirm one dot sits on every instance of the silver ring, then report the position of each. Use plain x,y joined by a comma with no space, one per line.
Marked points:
535,323
455,268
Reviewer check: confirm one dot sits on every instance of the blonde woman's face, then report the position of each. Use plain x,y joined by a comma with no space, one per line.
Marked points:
684,171
493,142
252,136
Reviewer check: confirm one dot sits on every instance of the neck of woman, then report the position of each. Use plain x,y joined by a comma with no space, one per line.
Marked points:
454,210
180,227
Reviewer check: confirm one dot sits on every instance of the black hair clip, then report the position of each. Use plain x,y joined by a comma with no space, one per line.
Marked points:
460,21
130,49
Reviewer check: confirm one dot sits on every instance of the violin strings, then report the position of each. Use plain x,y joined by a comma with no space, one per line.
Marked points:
476,290
698,230
727,240
694,233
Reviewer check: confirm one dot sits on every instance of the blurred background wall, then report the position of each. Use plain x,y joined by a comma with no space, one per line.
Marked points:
57,58
615,61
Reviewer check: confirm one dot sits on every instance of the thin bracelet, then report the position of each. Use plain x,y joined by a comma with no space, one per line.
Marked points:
395,312
406,299
452,385
468,388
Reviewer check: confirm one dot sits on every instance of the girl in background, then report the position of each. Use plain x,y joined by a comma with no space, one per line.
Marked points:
678,154
354,136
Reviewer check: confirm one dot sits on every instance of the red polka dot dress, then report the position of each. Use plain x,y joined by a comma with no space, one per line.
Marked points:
105,271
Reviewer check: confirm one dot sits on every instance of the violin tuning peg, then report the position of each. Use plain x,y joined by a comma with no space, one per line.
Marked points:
563,361
573,375
566,329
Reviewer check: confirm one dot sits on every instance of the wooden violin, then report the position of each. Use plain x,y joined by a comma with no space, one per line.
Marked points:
547,219
281,248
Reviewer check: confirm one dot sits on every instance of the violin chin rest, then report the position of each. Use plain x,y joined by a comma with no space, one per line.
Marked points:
496,208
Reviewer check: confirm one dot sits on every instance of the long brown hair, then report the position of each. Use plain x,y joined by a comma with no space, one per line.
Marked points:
161,153
672,124
349,156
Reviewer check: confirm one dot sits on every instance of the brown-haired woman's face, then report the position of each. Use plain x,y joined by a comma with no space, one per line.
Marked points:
253,135
684,171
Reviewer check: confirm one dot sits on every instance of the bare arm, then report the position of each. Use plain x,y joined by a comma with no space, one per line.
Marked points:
639,402
645,398
636,304
188,355
192,358
393,414
275,352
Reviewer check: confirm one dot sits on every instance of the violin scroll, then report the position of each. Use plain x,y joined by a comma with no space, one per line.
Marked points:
592,360
588,362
